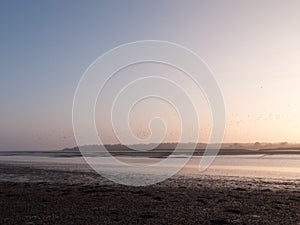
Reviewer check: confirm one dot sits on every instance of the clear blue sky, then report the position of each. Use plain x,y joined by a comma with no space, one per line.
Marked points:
253,47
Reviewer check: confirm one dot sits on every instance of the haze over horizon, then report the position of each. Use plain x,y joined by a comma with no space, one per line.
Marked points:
253,49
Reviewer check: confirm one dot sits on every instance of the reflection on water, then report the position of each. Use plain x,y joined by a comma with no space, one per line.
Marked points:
256,166
278,167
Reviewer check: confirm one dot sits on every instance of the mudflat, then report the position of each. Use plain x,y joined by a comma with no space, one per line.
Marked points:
68,197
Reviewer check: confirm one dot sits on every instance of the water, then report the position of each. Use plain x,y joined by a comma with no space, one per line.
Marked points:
284,167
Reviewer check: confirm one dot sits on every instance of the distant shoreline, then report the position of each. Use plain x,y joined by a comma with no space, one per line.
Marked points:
155,153
240,147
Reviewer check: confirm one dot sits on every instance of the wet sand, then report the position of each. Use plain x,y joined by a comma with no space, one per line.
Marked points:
62,197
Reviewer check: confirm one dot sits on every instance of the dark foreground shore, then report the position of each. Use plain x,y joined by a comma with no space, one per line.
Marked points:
41,196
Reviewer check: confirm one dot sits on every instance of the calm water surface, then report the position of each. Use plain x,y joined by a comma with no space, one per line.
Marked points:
254,166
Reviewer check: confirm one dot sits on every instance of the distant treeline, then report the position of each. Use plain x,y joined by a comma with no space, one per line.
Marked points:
199,146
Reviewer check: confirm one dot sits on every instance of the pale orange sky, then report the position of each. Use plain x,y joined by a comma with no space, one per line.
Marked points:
252,47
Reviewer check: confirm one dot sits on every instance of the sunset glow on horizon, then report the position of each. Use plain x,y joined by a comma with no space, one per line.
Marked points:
252,49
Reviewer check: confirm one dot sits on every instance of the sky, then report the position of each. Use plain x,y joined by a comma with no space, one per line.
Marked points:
252,47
